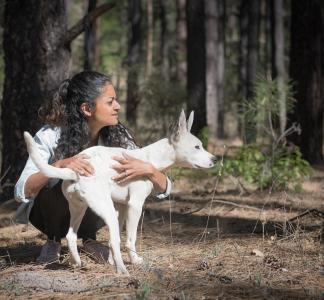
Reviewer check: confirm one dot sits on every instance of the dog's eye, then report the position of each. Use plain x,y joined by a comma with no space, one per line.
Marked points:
197,147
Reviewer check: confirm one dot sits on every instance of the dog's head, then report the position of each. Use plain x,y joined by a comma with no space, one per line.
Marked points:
188,148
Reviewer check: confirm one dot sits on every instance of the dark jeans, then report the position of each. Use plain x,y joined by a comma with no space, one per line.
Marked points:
50,214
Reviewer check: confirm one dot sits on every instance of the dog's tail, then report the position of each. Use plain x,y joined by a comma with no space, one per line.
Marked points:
45,168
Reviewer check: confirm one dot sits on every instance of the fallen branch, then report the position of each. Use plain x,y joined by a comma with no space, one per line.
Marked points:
313,211
80,26
219,200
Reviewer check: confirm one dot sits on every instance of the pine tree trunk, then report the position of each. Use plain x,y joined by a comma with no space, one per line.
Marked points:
196,63
243,21
181,42
221,66
212,98
90,40
307,71
149,43
165,39
279,59
133,60
34,65
252,61
253,44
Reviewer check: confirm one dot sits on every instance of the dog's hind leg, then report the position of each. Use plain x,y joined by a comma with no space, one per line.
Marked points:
99,200
77,210
121,209
134,212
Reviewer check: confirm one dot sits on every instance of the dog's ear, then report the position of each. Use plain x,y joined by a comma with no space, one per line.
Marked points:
190,121
182,123
177,129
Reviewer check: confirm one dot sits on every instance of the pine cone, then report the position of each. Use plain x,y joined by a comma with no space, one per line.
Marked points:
204,265
272,262
133,283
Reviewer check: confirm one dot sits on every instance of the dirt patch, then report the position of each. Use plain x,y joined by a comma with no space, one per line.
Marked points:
205,243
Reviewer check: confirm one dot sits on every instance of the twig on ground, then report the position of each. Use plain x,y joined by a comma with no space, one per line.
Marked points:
313,211
220,200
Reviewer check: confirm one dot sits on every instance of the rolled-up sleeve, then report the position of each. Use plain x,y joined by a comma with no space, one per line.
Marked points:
30,169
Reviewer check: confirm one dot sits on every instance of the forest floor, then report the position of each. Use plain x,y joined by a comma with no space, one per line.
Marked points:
207,241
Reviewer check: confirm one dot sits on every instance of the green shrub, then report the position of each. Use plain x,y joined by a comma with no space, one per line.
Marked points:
283,170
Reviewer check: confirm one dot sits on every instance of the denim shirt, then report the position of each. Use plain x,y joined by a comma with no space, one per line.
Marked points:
46,139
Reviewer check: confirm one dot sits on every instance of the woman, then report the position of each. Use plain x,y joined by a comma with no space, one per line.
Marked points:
83,113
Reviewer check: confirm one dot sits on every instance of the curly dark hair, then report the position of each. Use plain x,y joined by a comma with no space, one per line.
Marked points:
63,111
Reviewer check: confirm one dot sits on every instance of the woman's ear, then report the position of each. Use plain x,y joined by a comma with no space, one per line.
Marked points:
85,108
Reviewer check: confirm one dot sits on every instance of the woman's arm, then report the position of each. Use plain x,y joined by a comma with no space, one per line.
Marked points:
34,184
130,168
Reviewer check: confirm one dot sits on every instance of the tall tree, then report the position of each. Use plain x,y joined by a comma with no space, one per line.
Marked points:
243,42
165,38
196,63
221,46
212,99
250,22
31,72
90,40
307,71
252,44
133,59
149,43
279,70
181,41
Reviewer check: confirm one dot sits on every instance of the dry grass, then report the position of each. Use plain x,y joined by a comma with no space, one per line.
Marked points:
184,258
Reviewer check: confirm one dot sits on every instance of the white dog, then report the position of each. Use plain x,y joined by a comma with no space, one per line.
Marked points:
99,191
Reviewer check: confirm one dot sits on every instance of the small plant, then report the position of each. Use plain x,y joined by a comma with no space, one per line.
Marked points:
215,251
271,161
285,169
144,291
258,280
12,287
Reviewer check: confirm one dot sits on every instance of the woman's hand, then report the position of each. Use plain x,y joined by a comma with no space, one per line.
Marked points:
78,163
130,167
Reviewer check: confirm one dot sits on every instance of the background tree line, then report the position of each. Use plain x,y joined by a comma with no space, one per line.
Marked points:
203,55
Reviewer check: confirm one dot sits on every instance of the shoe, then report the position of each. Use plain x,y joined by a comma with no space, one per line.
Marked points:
50,252
96,250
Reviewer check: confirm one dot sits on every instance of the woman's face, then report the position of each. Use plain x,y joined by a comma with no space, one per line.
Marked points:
105,111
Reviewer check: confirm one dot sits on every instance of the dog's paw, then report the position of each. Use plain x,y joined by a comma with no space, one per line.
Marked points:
122,271
111,260
136,260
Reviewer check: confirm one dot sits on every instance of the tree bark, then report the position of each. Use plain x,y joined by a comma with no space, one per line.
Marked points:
166,40
181,42
149,44
90,39
196,63
212,97
252,61
221,16
279,59
33,66
133,60
253,44
307,71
